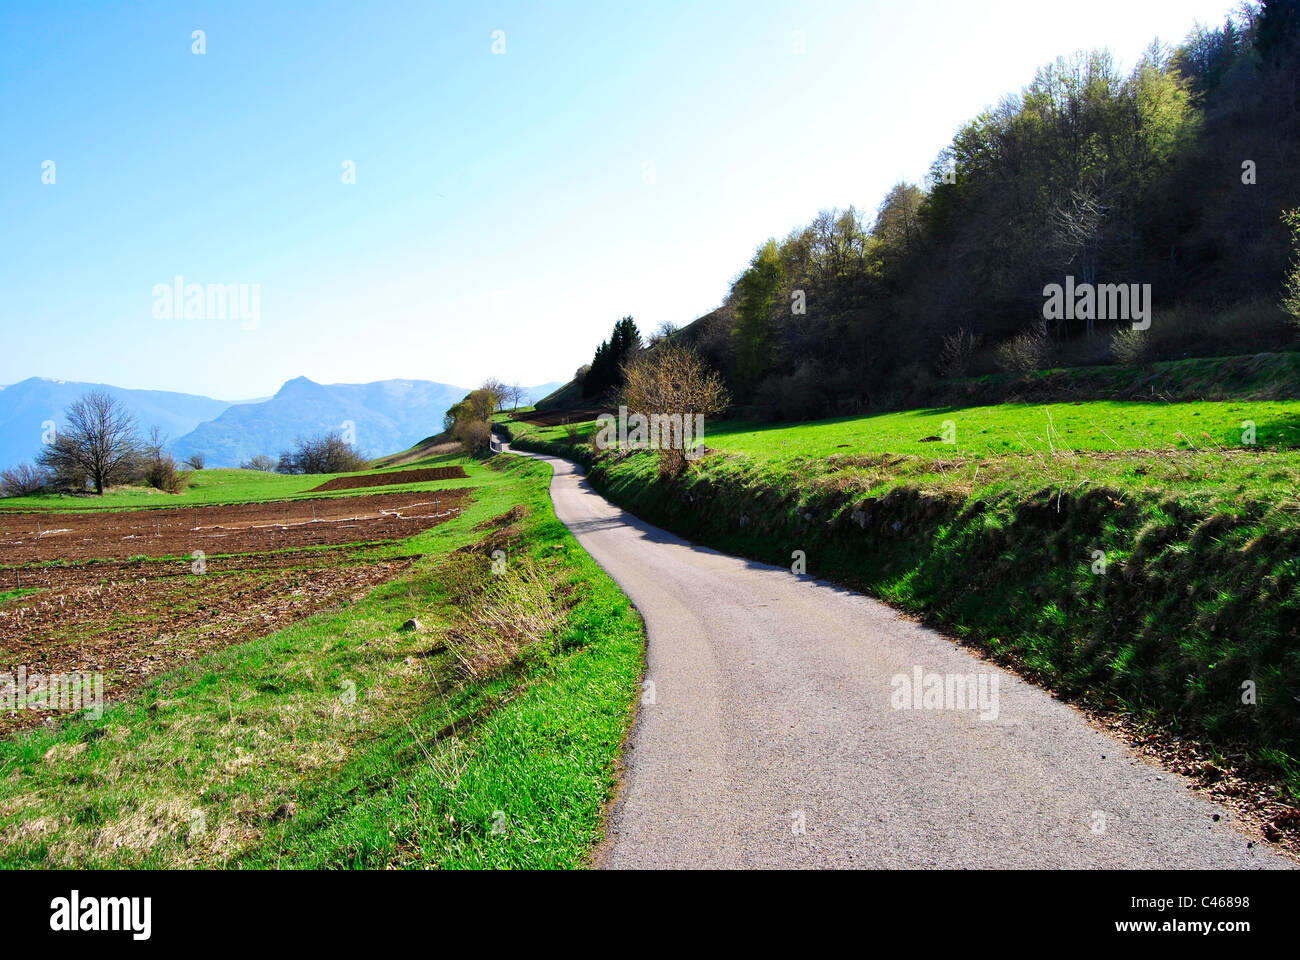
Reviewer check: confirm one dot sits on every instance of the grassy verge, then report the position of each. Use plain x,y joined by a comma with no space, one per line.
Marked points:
1157,575
486,737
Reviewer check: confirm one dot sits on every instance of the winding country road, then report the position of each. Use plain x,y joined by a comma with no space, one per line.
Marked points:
768,737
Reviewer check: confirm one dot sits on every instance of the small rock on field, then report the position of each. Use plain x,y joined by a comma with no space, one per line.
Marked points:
412,624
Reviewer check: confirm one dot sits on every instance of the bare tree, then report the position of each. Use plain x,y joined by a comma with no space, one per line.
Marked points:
99,442
1077,227
517,395
498,392
662,333
672,382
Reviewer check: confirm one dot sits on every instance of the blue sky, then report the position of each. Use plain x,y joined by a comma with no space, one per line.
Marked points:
616,158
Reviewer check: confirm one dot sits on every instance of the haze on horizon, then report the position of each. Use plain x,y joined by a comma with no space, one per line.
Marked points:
508,206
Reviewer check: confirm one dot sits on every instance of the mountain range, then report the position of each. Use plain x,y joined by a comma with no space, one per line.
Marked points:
381,417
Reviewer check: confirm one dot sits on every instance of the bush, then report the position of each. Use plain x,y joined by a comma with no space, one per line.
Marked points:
474,435
1291,292
1186,330
196,461
1031,350
163,473
321,454
956,353
1129,346
22,480
158,468
259,462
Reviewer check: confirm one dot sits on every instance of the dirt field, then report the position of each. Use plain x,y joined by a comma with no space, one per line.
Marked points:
233,528
389,479
131,618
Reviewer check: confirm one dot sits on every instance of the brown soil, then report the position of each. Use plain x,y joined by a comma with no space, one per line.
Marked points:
140,620
389,479
231,528
134,619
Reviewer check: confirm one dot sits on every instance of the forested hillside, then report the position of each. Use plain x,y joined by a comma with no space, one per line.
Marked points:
1177,174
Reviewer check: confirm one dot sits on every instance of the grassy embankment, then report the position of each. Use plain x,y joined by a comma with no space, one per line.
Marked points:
486,738
996,538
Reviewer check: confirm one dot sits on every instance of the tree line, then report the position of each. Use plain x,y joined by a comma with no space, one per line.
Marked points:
1179,173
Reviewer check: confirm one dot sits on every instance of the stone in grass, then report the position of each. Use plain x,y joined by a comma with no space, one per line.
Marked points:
413,624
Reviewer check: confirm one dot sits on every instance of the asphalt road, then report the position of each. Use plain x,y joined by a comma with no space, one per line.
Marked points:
772,734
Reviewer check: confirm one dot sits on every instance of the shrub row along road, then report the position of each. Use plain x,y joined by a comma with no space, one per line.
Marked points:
769,737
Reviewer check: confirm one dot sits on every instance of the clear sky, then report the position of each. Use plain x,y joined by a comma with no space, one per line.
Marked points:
616,158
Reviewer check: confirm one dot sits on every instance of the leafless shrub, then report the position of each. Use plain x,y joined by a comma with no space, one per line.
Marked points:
1291,292
196,461
259,462
158,468
1031,350
474,435
956,353
22,480
1129,346
321,454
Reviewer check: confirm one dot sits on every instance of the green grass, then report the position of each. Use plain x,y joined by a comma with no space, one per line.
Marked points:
993,539
6,595
344,741
1005,429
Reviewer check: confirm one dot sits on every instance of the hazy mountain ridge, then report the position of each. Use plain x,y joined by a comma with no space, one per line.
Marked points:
28,406
382,417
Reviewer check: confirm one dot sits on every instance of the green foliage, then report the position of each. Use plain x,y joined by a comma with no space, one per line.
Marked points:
755,294
1170,174
606,371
